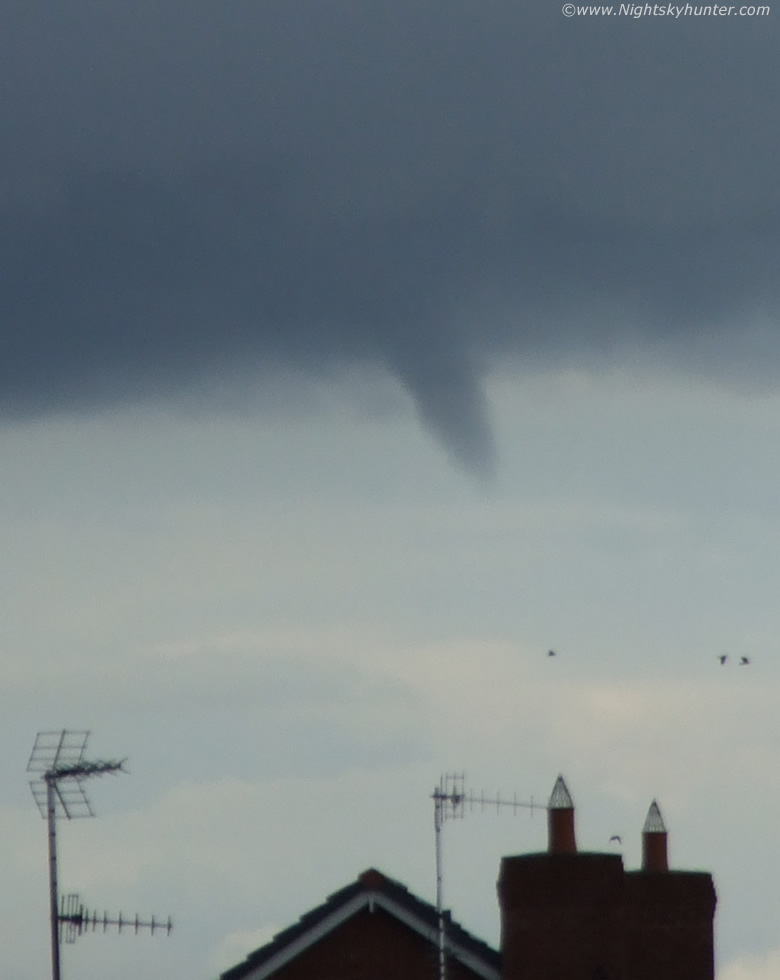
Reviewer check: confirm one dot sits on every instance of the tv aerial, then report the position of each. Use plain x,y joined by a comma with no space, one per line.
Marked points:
450,800
58,760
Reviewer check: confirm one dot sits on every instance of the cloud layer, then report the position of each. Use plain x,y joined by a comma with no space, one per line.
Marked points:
221,191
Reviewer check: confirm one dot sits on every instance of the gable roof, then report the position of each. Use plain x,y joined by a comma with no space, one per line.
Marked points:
371,890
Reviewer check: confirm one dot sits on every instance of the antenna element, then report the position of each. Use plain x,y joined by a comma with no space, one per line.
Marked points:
449,803
58,760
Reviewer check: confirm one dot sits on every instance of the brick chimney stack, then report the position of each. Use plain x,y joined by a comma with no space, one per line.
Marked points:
654,841
579,915
669,914
560,820
562,911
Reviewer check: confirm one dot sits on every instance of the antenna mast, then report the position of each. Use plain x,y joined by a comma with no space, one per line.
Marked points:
449,803
58,759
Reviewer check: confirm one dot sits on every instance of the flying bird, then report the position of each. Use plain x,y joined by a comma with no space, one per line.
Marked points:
743,661
723,658
617,838
551,653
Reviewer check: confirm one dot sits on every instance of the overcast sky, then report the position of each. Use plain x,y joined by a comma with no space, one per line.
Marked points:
352,355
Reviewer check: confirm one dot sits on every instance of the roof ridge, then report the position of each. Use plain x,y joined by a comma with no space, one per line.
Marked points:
371,880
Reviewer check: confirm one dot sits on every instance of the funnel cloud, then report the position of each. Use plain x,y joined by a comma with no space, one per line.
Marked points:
433,191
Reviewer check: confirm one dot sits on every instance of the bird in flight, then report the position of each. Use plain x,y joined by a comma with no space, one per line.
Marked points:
723,658
551,653
616,838
743,661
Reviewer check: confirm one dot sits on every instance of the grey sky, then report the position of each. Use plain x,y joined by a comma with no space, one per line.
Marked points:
266,270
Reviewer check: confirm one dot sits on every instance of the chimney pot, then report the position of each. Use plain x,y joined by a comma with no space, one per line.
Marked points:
560,820
654,841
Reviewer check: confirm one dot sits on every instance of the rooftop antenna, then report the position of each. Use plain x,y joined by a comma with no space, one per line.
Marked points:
450,799
58,759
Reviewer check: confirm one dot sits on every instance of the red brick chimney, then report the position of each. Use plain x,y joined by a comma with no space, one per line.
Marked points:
579,916
669,914
654,850
560,820
562,913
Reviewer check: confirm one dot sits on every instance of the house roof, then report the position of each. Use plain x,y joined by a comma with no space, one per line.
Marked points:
372,889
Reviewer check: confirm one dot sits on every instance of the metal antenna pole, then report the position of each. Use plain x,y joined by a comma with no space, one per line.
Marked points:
447,802
437,823
53,896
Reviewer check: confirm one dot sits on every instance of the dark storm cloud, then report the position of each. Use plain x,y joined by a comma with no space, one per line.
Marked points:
190,190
